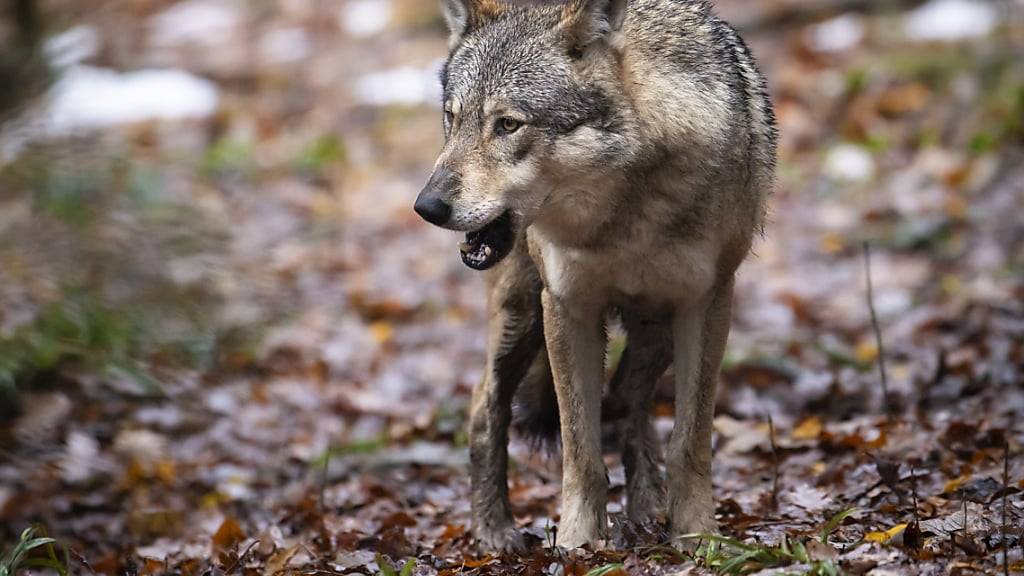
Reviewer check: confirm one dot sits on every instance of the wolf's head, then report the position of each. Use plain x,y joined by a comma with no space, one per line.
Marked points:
528,111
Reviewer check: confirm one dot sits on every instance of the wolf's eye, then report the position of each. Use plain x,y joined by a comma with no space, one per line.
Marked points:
506,126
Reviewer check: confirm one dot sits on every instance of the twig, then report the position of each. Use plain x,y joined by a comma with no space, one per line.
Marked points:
963,500
81,560
912,534
552,529
1006,489
775,463
913,492
241,557
878,332
323,478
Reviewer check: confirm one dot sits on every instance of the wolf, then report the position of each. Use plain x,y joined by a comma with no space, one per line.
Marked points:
604,158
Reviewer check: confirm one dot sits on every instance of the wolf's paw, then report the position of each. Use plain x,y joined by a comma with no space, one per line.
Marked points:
505,539
582,528
691,518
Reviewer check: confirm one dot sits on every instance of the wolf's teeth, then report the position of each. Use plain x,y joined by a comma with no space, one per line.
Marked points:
487,251
465,247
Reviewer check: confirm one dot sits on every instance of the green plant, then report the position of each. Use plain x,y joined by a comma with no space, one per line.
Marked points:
228,157
365,447
320,154
729,556
18,557
606,570
388,569
76,330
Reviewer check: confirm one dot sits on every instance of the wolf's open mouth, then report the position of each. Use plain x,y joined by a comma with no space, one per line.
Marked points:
489,245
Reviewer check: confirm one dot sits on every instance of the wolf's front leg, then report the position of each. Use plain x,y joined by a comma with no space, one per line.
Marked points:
515,337
491,414
700,332
576,343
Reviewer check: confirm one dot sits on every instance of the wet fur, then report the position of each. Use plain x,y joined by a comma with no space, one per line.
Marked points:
637,185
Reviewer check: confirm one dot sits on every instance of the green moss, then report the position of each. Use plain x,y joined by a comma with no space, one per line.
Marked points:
228,157
318,156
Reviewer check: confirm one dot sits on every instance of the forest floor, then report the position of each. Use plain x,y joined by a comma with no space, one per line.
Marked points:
228,346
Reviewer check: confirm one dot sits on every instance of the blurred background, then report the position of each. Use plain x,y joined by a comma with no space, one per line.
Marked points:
227,343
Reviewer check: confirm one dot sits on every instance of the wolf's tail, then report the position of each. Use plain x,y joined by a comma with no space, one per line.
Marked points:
535,412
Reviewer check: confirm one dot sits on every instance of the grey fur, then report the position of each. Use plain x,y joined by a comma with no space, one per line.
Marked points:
636,178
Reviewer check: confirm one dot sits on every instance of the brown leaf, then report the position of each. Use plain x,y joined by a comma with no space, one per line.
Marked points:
912,538
279,560
809,429
473,563
226,539
400,519
152,567
904,99
395,543
818,550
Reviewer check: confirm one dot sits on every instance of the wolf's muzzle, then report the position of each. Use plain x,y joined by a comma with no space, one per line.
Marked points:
432,204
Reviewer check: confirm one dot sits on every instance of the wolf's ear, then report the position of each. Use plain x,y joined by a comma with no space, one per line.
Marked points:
463,16
588,21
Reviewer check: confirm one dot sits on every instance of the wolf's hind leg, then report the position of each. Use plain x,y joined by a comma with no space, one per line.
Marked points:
647,355
515,335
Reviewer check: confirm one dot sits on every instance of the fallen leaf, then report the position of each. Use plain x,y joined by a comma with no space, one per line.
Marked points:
818,550
809,498
866,352
904,99
278,561
382,332
809,429
473,563
955,484
885,537
227,538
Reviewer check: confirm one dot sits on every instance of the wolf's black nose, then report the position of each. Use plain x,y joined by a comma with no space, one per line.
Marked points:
431,204
433,209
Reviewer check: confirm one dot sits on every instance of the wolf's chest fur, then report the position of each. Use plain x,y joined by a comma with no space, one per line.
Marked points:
650,250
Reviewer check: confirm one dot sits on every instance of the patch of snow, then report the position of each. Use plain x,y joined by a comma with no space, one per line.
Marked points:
81,458
406,85
836,35
892,302
284,46
73,46
950,20
195,21
362,18
849,163
89,98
